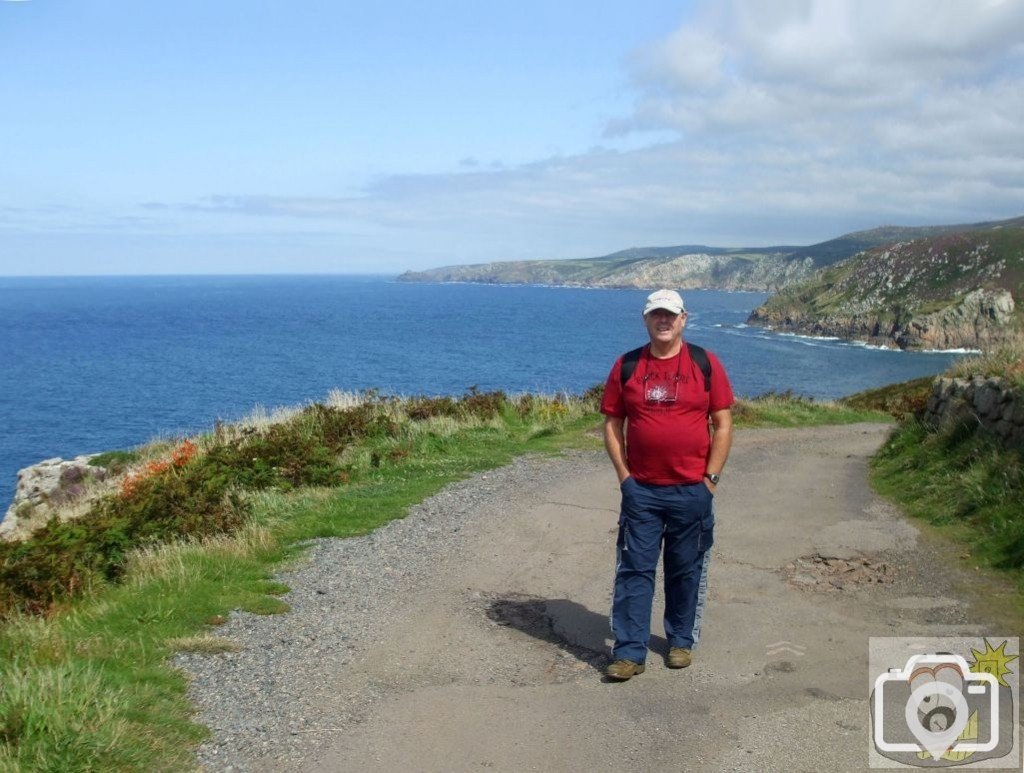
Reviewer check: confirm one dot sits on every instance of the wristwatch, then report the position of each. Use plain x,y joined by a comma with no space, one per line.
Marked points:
714,477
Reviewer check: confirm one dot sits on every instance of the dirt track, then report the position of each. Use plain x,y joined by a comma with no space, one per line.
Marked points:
495,665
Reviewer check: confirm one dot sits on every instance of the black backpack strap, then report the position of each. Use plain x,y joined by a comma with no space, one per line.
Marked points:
629,361
697,353
700,356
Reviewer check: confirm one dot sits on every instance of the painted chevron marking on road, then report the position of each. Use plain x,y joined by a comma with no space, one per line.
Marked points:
789,647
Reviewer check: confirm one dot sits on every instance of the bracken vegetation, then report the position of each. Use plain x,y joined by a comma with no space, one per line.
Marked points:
197,489
901,401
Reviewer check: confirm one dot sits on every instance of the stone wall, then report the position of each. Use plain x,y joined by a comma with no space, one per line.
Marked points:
991,402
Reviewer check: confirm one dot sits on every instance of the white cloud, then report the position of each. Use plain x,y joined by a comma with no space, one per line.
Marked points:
665,193
792,121
692,60
817,63
915,104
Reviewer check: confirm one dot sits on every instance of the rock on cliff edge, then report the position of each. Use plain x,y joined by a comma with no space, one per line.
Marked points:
52,487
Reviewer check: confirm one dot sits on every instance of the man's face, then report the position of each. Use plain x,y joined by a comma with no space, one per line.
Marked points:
663,326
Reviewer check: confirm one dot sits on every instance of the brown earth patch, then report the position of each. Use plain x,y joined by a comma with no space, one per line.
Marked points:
832,573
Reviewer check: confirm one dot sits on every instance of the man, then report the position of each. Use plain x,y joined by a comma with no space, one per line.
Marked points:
668,464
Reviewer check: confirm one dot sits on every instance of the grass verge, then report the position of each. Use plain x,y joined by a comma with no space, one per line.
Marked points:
1005,361
962,481
957,477
86,684
788,410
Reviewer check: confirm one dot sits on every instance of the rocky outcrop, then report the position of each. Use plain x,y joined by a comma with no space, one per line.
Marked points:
981,319
990,403
720,272
775,272
954,291
52,487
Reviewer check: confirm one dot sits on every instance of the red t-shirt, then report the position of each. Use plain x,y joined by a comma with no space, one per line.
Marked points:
666,407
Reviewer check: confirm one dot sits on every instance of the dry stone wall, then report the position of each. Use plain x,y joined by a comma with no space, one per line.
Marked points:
992,402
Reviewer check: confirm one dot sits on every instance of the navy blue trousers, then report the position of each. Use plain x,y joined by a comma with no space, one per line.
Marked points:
680,519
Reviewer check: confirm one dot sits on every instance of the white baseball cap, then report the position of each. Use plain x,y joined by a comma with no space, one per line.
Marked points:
669,300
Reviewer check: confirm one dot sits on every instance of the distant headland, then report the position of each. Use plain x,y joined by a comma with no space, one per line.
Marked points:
927,287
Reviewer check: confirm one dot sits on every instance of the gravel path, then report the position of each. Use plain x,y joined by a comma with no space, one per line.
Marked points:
269,705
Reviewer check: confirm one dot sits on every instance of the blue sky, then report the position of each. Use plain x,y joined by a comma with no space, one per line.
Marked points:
230,137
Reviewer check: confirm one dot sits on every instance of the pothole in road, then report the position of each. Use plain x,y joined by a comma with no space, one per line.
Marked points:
834,574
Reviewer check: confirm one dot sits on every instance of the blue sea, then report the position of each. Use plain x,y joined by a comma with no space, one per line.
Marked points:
99,363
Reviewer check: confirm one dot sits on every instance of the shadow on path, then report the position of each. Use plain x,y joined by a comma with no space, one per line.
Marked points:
568,625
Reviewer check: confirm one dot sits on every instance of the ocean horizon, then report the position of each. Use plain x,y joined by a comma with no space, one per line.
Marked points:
97,363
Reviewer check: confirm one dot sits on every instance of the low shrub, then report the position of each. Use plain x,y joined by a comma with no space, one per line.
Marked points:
904,400
114,461
423,408
335,428
524,405
65,558
592,396
188,493
474,404
277,458
302,451
179,457
482,405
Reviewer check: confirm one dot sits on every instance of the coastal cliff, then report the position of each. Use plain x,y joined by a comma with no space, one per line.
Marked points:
955,291
693,266
657,267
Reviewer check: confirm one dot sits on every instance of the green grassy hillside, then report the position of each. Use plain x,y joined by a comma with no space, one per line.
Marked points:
834,250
